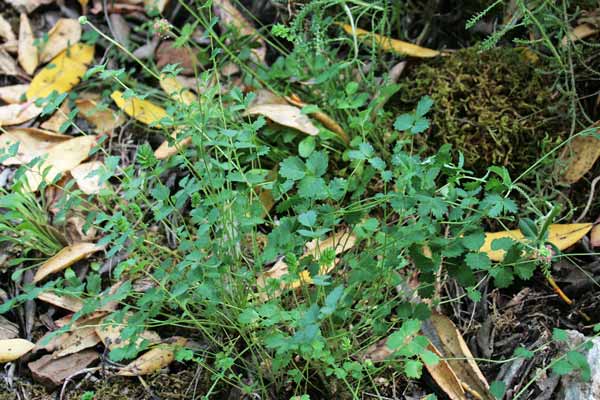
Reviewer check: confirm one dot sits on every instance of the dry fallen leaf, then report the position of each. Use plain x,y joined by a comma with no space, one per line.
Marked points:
65,32
184,57
28,5
88,184
6,31
392,45
62,301
450,345
323,118
579,32
231,16
154,359
57,119
140,109
13,94
445,377
14,114
12,349
53,372
110,334
8,66
60,158
595,236
579,157
285,115
28,53
155,5
8,329
562,236
165,150
63,73
104,120
33,143
79,339
65,258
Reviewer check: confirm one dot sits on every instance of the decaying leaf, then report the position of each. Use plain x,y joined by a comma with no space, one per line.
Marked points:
285,115
63,72
579,32
88,184
445,377
13,349
65,258
231,16
50,344
65,32
53,372
14,114
323,118
579,157
60,158
61,300
57,119
450,345
79,339
104,120
140,109
13,94
33,143
562,236
28,53
184,57
392,45
110,334
8,329
6,31
154,359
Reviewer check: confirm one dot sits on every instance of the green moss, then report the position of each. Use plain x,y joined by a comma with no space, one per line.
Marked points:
492,106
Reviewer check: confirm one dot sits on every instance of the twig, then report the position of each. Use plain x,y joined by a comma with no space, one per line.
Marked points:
590,199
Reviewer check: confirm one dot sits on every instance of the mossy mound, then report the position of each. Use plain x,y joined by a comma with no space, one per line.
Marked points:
493,106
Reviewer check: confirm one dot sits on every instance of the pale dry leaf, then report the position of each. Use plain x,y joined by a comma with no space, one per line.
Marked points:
33,142
166,150
14,114
104,120
13,94
65,258
579,157
111,334
65,32
8,66
28,52
53,372
89,184
57,119
579,32
159,5
61,157
6,31
50,342
146,51
79,339
562,236
68,319
445,377
63,301
265,96
62,73
28,5
74,230
323,118
231,16
595,236
13,349
10,46
154,359
175,90
121,29
286,115
8,329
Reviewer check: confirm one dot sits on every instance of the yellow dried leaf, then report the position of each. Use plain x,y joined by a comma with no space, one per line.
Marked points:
33,143
12,349
392,45
142,110
286,115
176,91
27,52
65,32
110,334
579,157
104,120
13,94
65,258
63,72
88,184
60,158
165,150
14,114
562,236
154,359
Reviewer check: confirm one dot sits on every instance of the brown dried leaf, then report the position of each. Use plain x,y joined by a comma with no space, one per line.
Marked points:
13,94
110,334
12,349
445,377
184,56
323,118
33,143
231,16
65,258
8,329
80,339
153,360
28,53
53,344
61,300
53,372
57,119
579,156
104,120
65,32
14,114
88,184
579,32
285,115
595,236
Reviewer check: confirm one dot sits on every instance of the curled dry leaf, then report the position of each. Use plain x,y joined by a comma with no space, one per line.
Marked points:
231,16
14,114
392,45
63,73
13,94
579,157
28,53
6,31
104,120
60,158
62,301
65,32
579,32
323,118
142,110
65,258
88,184
154,359
285,115
13,349
562,236
110,334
